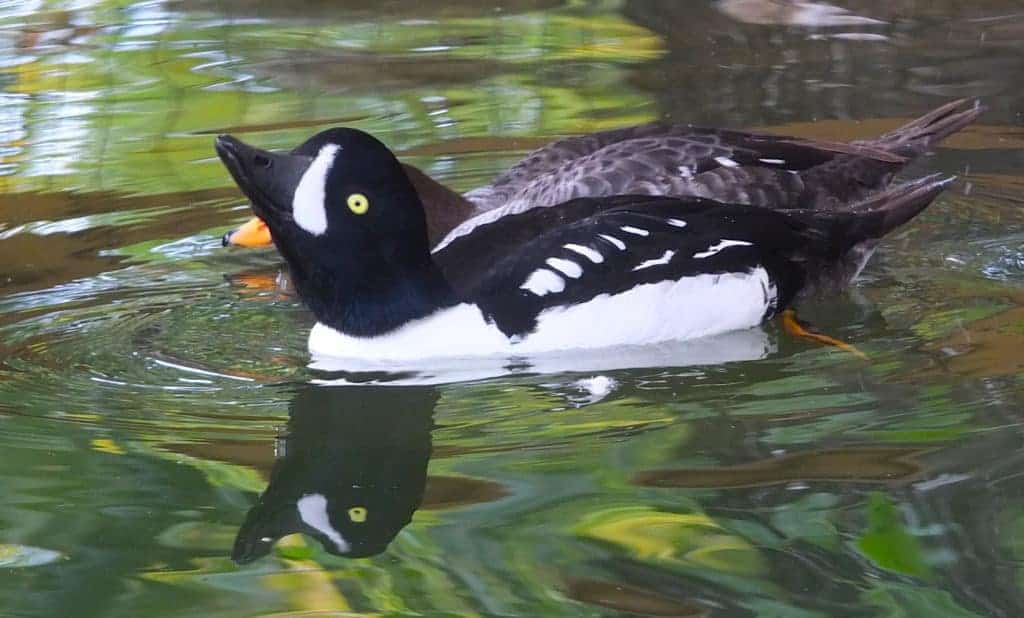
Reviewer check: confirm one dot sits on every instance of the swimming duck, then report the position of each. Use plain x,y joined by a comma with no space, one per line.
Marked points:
589,273
680,160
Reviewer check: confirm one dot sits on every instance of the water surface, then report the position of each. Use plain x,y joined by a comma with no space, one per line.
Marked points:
158,418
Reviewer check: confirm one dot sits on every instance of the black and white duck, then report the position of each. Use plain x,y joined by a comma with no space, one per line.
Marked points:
591,272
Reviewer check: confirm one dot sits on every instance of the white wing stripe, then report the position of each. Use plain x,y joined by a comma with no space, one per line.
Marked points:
722,244
542,282
664,259
621,246
591,254
566,267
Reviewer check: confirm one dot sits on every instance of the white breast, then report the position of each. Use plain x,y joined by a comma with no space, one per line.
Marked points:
458,331
689,308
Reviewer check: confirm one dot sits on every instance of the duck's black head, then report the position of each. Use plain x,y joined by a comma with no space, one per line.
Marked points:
344,215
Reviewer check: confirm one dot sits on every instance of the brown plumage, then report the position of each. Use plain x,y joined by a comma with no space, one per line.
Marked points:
728,166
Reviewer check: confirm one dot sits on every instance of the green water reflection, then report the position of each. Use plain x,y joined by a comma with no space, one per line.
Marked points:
158,418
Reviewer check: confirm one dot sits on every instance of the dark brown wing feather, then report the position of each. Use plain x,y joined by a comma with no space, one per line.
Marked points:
731,166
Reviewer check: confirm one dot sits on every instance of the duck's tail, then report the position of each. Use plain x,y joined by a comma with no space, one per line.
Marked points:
919,136
883,212
855,233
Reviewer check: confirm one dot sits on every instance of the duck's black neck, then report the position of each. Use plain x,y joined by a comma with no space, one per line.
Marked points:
364,306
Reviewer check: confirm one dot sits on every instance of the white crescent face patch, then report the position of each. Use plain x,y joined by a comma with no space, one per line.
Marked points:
313,511
309,207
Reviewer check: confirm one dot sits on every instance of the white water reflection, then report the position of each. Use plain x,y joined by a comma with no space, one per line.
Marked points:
731,347
793,13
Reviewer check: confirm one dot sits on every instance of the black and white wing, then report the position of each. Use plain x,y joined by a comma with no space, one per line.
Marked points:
523,265
620,247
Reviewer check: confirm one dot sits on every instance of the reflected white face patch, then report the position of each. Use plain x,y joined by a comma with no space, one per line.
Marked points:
313,511
309,208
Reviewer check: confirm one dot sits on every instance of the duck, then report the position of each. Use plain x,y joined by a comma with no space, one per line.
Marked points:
589,273
673,159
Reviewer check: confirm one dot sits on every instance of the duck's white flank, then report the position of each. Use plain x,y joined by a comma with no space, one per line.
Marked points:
689,308
308,207
313,511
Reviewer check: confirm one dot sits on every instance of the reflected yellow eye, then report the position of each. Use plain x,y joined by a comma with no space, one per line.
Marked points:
357,514
358,203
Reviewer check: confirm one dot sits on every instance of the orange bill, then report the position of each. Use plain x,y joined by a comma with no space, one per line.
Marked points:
253,234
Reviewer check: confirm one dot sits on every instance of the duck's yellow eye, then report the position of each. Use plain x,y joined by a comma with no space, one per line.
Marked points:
357,514
358,203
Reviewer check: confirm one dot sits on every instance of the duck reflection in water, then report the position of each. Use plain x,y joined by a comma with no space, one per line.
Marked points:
350,472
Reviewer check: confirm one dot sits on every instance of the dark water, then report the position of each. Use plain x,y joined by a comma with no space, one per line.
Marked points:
153,386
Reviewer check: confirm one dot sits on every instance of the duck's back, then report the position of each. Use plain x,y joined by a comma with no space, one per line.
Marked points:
724,165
